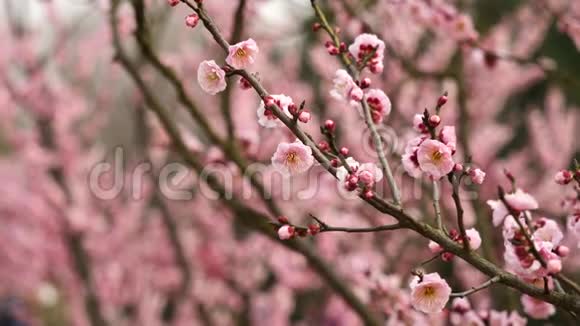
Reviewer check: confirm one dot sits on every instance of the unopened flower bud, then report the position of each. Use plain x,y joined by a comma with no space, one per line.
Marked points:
282,220
442,100
367,178
554,266
333,50
446,256
334,162
563,177
316,26
244,84
329,125
192,20
313,229
477,176
434,120
353,179
323,146
304,116
458,167
342,47
434,247
173,3
268,101
365,82
286,232
368,194
562,251
344,151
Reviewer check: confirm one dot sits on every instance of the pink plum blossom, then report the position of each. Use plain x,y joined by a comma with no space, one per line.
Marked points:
292,158
548,230
499,211
435,159
521,201
430,293
474,238
211,77
409,158
447,137
243,54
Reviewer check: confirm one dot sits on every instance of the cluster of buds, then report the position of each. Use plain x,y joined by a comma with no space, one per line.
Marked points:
288,231
299,113
333,49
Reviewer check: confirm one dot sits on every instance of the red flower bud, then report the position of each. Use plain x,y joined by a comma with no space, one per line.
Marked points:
329,125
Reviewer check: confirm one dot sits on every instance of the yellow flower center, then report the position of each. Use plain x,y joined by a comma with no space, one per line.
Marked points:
240,52
292,158
212,76
429,292
436,156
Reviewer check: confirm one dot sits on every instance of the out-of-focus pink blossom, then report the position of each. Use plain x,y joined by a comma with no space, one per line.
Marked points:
344,87
521,201
536,308
243,54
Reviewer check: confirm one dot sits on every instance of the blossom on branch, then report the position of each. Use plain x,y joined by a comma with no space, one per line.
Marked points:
429,293
292,158
435,159
211,77
243,54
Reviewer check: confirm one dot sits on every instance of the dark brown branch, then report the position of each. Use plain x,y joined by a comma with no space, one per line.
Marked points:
455,181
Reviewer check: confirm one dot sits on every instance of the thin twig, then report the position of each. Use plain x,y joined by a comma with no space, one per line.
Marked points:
487,284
